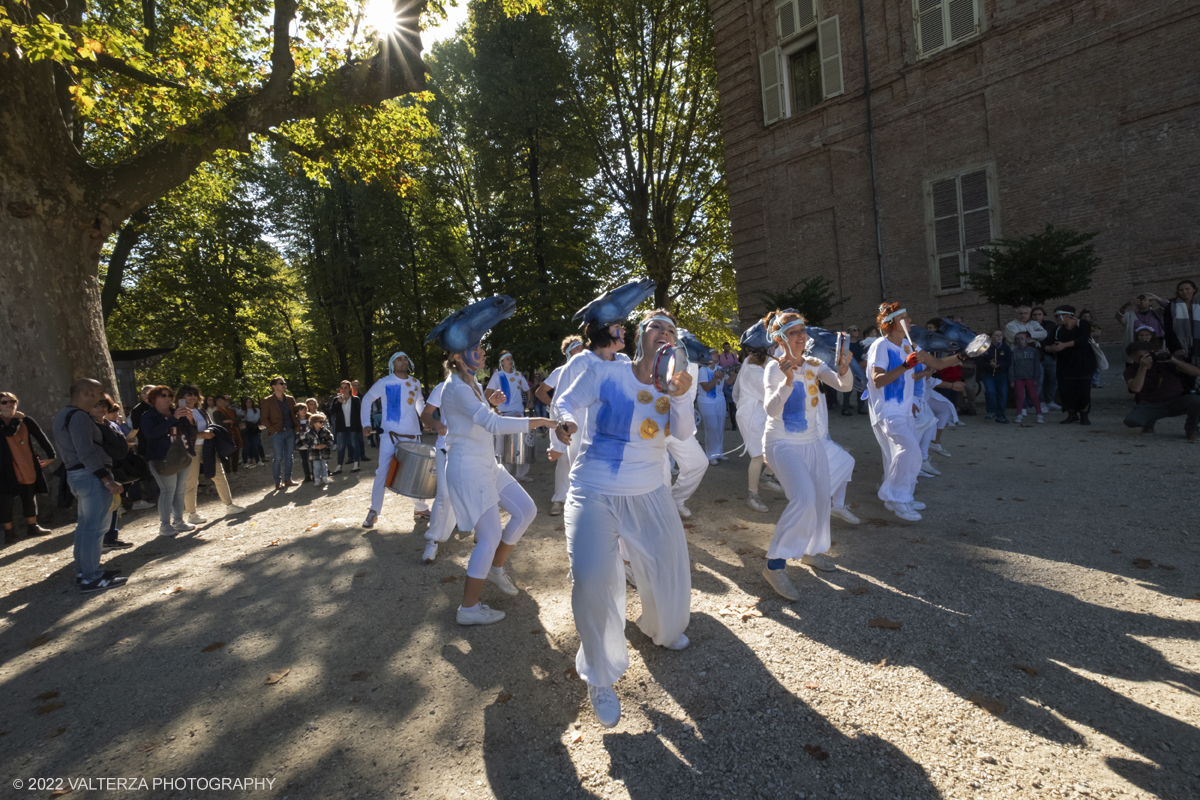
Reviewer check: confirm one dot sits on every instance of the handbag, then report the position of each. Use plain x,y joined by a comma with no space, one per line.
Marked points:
1101,361
176,460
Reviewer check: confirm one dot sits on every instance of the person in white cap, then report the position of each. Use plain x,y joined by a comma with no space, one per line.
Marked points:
570,346
401,399
617,495
517,398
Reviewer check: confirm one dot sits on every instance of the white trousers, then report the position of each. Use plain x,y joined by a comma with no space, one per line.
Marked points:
649,527
841,469
901,450
516,470
803,471
713,416
942,408
521,509
441,519
926,427
386,451
562,473
693,463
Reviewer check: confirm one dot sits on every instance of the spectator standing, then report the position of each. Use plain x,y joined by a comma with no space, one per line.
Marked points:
344,414
1145,309
252,451
279,417
107,413
318,441
1025,359
160,424
20,468
1076,364
992,369
301,441
727,358
1048,379
1183,323
859,354
91,481
727,389
1156,379
189,398
139,491
227,418
1024,323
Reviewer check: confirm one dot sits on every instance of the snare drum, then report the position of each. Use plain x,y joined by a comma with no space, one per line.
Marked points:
413,471
519,448
669,360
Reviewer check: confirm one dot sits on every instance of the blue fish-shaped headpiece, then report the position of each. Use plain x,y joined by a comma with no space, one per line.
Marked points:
697,351
821,344
615,305
463,329
950,338
755,337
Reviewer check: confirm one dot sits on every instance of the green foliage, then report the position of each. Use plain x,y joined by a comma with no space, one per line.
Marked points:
1053,263
815,297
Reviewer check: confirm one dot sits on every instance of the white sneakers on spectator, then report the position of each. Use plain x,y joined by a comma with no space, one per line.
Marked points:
478,614
936,447
1054,406
712,462
431,549
772,483
684,511
497,576
142,505
183,527
197,518
781,583
606,704
756,503
819,561
844,514
1041,420
1045,408
556,507
904,511
231,509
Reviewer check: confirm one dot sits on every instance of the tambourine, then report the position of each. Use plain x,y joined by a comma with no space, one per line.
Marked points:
979,345
669,360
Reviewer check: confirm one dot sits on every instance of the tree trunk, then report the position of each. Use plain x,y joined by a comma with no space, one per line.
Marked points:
115,275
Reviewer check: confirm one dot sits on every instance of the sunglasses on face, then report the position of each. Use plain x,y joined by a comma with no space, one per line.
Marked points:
190,394
7,403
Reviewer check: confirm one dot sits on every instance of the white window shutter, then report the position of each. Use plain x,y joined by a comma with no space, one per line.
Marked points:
806,13
931,25
829,43
964,21
787,23
772,86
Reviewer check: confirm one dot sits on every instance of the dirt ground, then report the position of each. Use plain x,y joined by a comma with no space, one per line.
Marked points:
1048,610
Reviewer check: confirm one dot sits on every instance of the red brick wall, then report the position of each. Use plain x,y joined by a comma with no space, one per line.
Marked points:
1089,113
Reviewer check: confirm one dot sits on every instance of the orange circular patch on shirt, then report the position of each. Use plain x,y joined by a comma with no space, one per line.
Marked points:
809,375
644,397
649,429
410,401
812,389
662,405
907,349
814,402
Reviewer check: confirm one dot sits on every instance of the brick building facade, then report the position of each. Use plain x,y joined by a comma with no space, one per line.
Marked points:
990,118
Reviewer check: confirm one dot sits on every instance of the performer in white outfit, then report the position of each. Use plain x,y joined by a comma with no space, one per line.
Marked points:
841,467
795,449
441,520
710,400
748,398
925,424
687,453
401,399
562,466
517,398
943,409
617,493
478,486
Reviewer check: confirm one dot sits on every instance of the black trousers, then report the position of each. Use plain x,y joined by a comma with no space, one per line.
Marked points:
1076,394
1144,415
28,503
307,466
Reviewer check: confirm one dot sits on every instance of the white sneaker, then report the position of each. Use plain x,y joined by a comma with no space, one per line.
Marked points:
961,424
819,561
902,510
1019,418
936,447
1045,409
355,467
722,458
197,519
1054,406
772,483
632,581
679,644
556,507
142,505
497,576
781,583
754,502
712,462
606,704
917,505
232,509
430,552
372,515
478,615
844,514
1041,420
684,511
183,527
927,466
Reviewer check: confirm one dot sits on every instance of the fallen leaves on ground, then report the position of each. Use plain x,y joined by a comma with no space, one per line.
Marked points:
860,590
741,612
54,734
1026,670
877,523
503,698
1143,563
723,541
571,673
884,622
314,525
46,696
736,527
361,675
450,579
881,665
362,574
742,551
37,642
272,543
816,752
49,707
722,530
687,526
987,704
213,646
1164,566
148,746
721,500
172,590
910,566
576,737
1115,552
1018,499
60,792
276,677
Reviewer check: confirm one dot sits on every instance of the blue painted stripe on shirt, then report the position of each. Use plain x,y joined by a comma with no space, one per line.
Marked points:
395,402
894,391
612,426
504,387
794,418
919,386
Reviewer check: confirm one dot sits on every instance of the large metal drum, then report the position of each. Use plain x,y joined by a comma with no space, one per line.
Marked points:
519,448
413,471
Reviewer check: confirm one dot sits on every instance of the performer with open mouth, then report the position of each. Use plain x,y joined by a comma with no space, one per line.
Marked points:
479,486
400,395
795,450
617,494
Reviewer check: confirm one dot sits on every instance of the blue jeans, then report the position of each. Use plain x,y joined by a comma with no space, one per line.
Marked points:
995,390
253,449
1049,385
345,446
283,446
91,524
360,446
171,492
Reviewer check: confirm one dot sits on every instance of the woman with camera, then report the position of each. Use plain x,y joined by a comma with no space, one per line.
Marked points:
20,468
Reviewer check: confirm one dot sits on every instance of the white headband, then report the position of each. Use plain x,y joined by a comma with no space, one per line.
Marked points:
646,322
642,327
779,333
893,315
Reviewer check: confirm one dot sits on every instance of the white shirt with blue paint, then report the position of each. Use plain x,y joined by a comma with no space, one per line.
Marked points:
402,404
625,442
435,400
715,394
895,399
511,384
569,374
794,412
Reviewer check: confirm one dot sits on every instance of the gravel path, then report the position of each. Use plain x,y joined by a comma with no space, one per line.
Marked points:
1048,611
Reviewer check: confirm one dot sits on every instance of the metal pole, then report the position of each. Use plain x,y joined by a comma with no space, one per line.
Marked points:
862,18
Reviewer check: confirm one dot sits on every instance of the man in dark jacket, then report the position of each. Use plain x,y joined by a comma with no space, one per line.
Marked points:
139,491
344,412
280,418
992,371
1156,380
